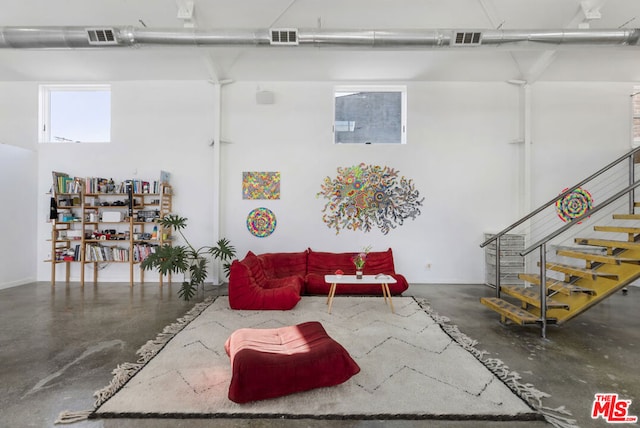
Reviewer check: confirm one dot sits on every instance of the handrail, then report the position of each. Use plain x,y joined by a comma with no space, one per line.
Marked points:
555,199
576,220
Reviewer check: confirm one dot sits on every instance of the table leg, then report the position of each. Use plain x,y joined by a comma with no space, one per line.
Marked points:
332,292
386,286
384,293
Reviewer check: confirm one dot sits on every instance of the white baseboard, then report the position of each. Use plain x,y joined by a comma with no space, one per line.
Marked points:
16,283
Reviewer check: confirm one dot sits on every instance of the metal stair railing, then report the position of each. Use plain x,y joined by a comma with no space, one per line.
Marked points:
542,243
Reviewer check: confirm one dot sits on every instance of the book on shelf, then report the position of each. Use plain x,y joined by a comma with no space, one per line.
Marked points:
142,186
103,253
142,251
165,176
57,178
62,183
101,185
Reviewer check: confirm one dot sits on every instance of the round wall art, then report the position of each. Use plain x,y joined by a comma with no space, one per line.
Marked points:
574,205
261,222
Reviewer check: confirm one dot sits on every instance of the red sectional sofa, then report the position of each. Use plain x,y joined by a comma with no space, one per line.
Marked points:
277,280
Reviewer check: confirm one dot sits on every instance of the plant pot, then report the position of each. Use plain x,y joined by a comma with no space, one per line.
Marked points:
358,274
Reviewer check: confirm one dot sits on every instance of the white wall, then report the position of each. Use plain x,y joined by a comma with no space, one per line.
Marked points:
18,178
458,148
577,129
18,182
459,154
157,125
19,114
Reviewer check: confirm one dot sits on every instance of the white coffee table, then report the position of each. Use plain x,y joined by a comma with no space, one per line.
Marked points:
383,280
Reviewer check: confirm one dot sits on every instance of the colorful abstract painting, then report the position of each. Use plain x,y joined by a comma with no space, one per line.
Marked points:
261,185
574,205
365,196
261,222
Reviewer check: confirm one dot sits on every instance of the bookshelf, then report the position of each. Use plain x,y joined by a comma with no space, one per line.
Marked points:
95,221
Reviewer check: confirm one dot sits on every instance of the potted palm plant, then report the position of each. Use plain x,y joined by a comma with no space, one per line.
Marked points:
186,259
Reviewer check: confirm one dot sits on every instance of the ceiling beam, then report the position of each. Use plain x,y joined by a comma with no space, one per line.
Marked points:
589,9
496,22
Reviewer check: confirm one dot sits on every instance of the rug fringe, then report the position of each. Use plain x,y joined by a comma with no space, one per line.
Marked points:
123,372
69,417
557,420
126,371
526,391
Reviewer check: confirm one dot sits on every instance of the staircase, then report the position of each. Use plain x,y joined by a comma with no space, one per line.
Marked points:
570,279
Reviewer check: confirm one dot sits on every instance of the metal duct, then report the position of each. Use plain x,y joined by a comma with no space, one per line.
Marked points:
78,37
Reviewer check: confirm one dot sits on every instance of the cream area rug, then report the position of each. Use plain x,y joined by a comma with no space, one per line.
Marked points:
413,366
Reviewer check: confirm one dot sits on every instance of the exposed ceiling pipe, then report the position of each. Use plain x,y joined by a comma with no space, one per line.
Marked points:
78,37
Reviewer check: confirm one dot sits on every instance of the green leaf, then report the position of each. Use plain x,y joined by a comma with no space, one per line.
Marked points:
167,259
173,221
187,291
227,268
223,250
198,271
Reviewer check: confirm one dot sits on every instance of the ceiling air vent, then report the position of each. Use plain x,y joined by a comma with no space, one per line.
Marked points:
462,38
284,36
101,36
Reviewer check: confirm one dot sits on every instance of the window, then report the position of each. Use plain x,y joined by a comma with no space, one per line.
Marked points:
75,114
370,114
635,117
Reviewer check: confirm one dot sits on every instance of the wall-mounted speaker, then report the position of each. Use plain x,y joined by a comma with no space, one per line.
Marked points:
265,97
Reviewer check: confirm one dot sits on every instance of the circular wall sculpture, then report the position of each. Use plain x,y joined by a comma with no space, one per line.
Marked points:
574,205
261,222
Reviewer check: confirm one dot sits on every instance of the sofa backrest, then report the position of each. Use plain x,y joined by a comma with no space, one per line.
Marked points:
281,265
322,263
255,268
379,262
240,276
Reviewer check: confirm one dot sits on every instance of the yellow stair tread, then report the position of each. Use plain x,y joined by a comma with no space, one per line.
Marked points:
580,272
617,229
508,310
584,255
568,289
534,278
609,243
531,296
626,216
556,285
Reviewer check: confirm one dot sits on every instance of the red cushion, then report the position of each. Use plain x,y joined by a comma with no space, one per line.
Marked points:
268,363
245,293
252,262
296,282
280,265
322,263
379,262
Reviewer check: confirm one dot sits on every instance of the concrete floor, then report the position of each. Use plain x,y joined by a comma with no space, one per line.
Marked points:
59,345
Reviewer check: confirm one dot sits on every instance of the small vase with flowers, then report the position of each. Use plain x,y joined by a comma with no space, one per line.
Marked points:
359,261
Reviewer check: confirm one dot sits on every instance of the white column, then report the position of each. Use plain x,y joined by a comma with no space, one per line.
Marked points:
217,99
527,173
